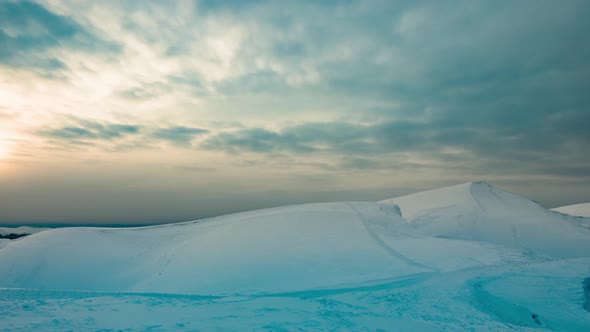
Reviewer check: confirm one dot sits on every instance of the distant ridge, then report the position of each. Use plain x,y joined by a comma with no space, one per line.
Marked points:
579,210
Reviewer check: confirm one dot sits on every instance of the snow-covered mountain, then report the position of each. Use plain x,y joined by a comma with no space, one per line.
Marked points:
580,210
464,257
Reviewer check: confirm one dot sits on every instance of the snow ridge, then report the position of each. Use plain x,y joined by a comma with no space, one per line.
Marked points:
465,257
579,210
478,211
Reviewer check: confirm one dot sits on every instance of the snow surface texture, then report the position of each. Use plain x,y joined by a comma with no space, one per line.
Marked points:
480,212
4,231
580,210
467,257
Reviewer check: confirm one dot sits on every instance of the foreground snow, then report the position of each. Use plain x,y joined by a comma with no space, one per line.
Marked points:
463,257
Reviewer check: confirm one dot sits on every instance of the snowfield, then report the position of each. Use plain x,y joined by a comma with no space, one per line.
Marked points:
467,257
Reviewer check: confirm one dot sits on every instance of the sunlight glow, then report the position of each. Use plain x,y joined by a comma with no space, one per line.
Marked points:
3,151
4,147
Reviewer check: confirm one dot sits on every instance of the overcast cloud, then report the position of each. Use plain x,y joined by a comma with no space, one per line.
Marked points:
183,108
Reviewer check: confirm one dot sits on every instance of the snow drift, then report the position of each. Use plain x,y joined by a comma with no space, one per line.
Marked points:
580,210
480,212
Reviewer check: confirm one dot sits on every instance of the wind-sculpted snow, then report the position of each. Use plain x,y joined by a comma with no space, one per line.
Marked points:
548,294
580,210
468,257
480,212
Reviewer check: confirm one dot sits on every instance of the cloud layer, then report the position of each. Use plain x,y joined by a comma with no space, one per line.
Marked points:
301,92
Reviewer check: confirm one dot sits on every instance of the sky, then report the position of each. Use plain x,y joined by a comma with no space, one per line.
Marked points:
140,112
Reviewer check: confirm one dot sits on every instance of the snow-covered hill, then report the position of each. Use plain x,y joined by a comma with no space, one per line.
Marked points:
478,211
21,230
580,210
466,257
279,250
7,234
287,249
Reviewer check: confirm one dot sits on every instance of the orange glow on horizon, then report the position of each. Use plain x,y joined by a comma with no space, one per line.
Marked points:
5,147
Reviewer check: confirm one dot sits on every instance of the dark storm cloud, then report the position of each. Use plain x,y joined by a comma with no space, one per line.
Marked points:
503,79
505,83
28,31
547,142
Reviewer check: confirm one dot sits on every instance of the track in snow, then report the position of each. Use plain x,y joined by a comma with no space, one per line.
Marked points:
385,246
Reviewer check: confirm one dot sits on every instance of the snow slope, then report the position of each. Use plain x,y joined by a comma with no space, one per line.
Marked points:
480,212
467,257
580,210
277,250
17,230
21,230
